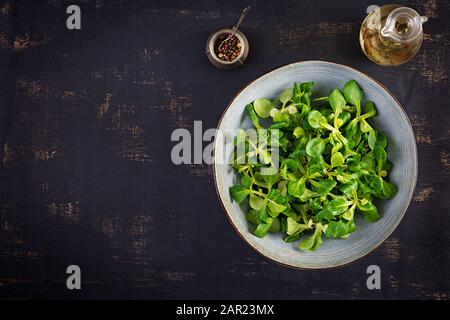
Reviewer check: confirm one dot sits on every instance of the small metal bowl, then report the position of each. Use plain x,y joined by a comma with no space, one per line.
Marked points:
215,60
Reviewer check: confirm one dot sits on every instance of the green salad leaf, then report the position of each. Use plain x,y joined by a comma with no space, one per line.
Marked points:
332,165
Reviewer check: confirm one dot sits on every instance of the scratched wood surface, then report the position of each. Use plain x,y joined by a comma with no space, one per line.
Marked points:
85,171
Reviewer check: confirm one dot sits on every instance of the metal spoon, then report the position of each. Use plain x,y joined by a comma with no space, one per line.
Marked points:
236,26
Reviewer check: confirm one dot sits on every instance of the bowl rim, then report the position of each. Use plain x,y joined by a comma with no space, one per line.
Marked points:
393,227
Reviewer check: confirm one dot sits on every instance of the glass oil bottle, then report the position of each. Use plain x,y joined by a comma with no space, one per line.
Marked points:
391,34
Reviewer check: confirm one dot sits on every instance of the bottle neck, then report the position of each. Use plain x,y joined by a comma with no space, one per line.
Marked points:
403,25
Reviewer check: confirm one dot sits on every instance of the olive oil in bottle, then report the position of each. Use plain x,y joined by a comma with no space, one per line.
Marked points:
391,34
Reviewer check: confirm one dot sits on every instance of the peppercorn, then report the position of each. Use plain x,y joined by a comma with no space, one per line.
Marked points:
227,47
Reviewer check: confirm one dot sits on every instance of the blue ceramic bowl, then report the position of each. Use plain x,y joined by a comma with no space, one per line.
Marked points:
402,152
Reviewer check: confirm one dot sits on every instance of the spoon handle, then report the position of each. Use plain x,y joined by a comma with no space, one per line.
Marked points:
241,18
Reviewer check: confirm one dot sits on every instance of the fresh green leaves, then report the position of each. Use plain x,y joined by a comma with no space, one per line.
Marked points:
325,215
253,217
339,229
316,119
263,107
337,159
315,147
323,187
285,96
296,188
338,205
314,241
276,202
353,94
337,101
370,211
253,116
239,193
262,229
256,202
336,229
293,227
333,164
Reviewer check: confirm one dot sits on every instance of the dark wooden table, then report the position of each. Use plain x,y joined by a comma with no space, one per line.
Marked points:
86,176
